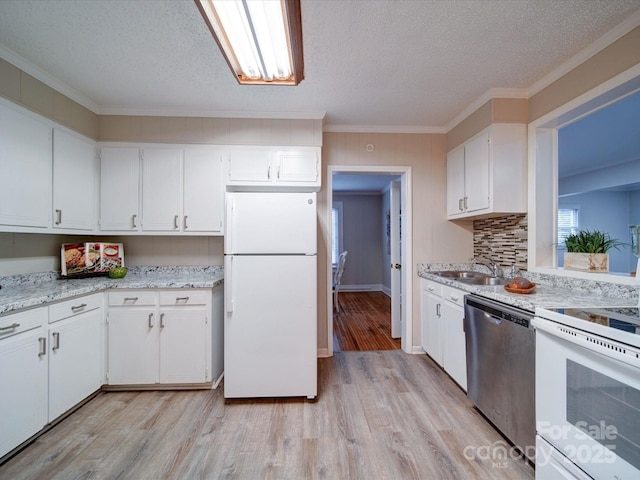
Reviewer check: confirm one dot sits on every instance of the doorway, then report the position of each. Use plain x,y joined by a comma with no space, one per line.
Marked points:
375,291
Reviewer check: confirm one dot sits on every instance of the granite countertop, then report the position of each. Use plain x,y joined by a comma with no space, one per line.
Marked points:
551,291
23,291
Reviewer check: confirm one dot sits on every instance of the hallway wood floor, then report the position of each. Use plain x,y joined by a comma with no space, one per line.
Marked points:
363,323
379,415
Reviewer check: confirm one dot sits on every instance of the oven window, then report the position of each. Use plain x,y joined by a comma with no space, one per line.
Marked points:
605,409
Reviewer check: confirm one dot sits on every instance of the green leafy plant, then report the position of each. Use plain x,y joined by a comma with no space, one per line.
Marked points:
586,241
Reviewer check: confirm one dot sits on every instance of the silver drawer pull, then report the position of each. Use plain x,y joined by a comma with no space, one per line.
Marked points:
162,320
151,320
56,343
185,222
130,299
43,346
182,299
13,326
454,298
175,222
75,308
58,217
134,217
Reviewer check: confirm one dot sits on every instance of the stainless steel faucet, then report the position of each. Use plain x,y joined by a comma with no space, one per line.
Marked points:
495,269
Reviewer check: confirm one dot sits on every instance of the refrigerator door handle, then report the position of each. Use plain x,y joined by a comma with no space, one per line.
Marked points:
228,286
229,226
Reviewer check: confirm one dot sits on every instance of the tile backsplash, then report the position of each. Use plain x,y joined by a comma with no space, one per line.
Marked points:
504,239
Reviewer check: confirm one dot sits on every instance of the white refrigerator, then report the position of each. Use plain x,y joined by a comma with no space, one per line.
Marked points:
270,264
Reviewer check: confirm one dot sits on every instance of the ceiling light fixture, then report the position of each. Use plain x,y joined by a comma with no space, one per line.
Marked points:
260,39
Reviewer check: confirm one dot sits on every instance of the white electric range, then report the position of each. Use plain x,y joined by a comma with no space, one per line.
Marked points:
587,393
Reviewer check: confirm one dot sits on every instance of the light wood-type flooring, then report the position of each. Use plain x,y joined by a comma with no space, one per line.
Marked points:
363,323
379,415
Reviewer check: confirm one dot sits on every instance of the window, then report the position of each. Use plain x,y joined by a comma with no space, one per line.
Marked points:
567,223
336,232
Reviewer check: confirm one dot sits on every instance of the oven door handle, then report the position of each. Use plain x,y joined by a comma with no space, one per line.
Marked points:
594,343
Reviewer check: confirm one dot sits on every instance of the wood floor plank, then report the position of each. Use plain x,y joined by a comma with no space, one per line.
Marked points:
379,415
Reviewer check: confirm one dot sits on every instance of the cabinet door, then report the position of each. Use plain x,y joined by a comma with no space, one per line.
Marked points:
119,188
25,163
183,345
161,192
454,350
203,191
74,182
298,167
432,326
23,391
476,184
455,182
75,361
133,346
249,167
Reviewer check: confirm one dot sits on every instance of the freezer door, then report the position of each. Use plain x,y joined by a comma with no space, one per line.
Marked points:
270,223
270,327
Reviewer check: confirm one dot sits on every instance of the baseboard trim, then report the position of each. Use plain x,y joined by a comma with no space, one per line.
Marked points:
374,287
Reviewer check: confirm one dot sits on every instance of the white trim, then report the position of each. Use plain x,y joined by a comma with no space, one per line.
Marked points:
417,350
365,287
631,22
482,99
324,353
49,80
599,96
336,128
406,246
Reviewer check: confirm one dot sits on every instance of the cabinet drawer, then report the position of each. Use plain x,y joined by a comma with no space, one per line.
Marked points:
132,298
453,295
432,287
15,323
75,306
185,297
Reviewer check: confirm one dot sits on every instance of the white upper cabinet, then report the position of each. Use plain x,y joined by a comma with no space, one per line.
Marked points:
203,198
74,182
161,189
25,163
274,168
487,176
119,189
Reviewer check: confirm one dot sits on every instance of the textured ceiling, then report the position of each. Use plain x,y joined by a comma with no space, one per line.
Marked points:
393,64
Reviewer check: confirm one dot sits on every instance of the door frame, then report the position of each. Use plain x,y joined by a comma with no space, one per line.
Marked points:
406,247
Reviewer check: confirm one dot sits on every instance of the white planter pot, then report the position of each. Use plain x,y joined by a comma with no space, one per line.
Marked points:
586,262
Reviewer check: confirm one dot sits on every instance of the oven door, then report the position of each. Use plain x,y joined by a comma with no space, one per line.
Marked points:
588,400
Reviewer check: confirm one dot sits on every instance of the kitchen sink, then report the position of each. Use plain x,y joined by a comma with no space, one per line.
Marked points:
472,278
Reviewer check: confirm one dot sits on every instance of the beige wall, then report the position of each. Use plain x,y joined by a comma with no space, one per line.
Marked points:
25,90
604,65
434,238
496,110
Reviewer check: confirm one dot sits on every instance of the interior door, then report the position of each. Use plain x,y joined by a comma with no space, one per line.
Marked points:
396,262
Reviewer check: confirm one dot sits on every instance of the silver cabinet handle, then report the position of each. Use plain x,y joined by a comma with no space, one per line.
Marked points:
134,218
438,309
13,326
130,299
184,222
56,343
43,346
269,172
162,320
465,202
182,299
151,320
454,298
58,217
77,308
175,222
460,207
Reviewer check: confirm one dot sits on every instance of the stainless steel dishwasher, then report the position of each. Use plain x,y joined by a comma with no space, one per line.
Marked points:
500,345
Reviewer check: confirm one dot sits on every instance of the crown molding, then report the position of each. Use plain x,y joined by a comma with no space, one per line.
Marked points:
176,112
484,98
336,128
49,80
607,39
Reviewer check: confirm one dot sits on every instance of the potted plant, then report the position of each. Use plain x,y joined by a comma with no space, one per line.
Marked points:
587,251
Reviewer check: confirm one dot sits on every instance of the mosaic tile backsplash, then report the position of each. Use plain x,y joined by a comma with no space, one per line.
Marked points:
504,239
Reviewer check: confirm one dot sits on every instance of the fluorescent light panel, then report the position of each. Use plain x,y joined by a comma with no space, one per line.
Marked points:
261,39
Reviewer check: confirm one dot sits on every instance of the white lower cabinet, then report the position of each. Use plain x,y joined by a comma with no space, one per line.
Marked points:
160,337
76,339
23,377
443,336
